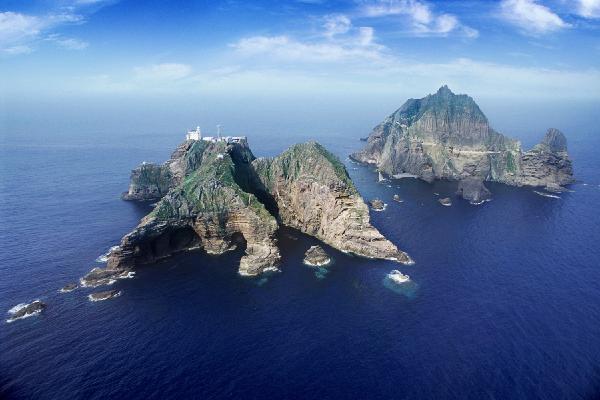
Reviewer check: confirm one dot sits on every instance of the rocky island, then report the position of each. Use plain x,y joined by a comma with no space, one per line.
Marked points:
315,256
447,136
26,310
215,195
101,296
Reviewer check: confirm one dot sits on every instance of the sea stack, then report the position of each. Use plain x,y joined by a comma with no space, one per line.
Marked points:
315,256
447,136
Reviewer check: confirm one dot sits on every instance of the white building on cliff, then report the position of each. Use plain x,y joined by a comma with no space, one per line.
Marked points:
197,135
194,135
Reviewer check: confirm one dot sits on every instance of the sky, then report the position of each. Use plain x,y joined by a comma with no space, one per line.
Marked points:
317,57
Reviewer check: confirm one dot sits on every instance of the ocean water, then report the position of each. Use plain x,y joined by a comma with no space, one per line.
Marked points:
504,300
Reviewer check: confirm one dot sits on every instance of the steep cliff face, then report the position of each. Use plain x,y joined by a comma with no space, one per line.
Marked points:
150,182
447,136
219,196
206,209
314,194
548,163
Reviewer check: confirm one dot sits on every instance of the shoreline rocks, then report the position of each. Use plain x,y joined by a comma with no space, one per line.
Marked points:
26,310
104,277
108,294
315,256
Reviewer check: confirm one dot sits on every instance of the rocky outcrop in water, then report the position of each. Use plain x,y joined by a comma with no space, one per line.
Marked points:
69,287
473,190
377,204
26,310
315,256
108,294
447,136
220,197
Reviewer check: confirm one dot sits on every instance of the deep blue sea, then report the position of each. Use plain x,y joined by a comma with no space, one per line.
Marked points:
504,301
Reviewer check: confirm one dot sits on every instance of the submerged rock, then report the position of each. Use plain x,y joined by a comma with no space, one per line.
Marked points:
447,136
108,294
377,205
397,198
69,287
398,277
315,256
446,201
26,310
473,190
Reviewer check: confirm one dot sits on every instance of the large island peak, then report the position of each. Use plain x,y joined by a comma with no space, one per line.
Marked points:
215,195
446,136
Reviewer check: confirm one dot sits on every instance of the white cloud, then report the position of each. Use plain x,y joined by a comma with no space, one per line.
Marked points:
589,8
336,24
15,27
531,17
67,43
162,72
19,31
423,21
366,34
13,50
288,49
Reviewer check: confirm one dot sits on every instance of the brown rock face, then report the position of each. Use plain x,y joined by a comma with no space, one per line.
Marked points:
220,197
447,136
314,194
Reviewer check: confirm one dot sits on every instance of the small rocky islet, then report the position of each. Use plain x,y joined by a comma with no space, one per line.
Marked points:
315,256
69,287
26,310
377,204
445,136
105,295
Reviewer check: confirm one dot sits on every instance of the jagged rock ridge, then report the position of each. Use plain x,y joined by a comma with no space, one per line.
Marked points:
447,136
220,196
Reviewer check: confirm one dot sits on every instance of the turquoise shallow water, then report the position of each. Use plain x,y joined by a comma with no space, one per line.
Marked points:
504,300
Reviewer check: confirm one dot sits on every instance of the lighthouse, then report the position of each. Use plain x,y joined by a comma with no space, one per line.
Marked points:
194,135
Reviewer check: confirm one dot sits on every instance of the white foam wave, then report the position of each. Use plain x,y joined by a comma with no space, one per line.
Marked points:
101,282
31,314
546,194
383,209
104,257
17,308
